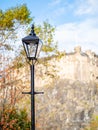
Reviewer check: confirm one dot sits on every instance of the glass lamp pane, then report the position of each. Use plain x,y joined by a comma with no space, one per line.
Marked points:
32,50
39,48
26,49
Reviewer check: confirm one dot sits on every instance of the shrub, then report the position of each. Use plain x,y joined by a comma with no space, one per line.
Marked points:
93,124
12,119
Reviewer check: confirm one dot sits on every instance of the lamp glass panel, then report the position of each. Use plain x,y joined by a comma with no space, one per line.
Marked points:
26,49
32,50
39,48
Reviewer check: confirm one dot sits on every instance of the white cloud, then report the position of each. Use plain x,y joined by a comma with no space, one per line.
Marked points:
84,34
86,7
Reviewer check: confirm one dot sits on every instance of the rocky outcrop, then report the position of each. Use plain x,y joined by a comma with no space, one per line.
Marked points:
66,105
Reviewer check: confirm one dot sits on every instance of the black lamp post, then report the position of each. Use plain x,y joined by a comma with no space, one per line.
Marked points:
32,46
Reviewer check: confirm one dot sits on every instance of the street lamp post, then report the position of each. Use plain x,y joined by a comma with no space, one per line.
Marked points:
32,46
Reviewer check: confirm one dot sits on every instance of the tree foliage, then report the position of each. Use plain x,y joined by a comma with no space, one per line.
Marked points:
93,124
13,119
8,17
46,32
10,20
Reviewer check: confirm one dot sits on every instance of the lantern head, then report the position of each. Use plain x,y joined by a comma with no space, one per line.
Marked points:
32,45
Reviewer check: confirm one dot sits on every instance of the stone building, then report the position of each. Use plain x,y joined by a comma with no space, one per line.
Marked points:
81,66
77,65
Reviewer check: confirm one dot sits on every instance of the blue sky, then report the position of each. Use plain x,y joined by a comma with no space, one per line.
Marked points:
76,21
56,11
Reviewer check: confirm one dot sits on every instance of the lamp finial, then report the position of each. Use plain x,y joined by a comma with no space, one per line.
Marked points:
32,30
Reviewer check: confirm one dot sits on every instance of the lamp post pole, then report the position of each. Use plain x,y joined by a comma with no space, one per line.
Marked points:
32,97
